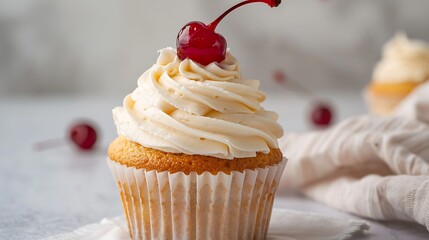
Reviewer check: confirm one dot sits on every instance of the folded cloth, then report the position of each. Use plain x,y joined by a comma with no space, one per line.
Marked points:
285,224
416,105
376,167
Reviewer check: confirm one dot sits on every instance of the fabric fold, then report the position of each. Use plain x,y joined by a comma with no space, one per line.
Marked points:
375,167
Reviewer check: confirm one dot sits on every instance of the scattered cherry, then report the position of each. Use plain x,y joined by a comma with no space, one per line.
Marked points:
200,43
321,115
279,76
83,135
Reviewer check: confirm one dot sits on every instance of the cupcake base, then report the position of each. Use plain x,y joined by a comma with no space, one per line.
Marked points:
130,153
383,98
163,205
382,105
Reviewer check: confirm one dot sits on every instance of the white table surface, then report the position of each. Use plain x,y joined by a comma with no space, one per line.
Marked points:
58,190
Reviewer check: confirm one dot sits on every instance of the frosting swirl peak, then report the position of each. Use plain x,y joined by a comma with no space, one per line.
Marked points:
184,107
404,60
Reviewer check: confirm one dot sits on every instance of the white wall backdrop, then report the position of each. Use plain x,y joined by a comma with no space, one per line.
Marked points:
100,47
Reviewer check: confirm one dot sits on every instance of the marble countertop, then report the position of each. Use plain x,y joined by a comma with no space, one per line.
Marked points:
61,189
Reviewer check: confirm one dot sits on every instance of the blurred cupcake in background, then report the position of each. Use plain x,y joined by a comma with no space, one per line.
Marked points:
404,66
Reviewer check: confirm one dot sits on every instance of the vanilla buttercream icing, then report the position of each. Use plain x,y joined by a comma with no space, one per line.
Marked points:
184,107
404,60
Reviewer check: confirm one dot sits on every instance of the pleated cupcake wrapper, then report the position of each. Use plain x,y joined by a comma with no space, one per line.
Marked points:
161,205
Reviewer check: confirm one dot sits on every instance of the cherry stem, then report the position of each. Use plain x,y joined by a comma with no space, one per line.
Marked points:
303,89
212,26
51,143
300,87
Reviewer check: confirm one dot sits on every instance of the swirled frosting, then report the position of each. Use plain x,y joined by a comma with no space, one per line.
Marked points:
403,60
183,107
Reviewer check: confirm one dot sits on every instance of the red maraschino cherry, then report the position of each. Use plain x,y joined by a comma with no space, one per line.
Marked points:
200,43
321,115
83,135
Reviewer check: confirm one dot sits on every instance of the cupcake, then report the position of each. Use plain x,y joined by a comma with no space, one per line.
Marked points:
405,65
197,156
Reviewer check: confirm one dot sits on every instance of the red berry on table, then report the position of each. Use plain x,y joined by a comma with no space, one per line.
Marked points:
83,135
321,115
279,76
200,43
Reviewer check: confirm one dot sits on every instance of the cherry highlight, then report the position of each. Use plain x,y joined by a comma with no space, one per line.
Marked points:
200,43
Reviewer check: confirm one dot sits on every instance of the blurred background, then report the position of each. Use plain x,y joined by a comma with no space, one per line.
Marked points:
101,47
64,61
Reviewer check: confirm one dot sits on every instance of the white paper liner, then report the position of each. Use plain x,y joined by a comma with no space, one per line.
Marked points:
160,205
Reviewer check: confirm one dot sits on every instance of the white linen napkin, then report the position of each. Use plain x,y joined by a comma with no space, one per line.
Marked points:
376,167
285,224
